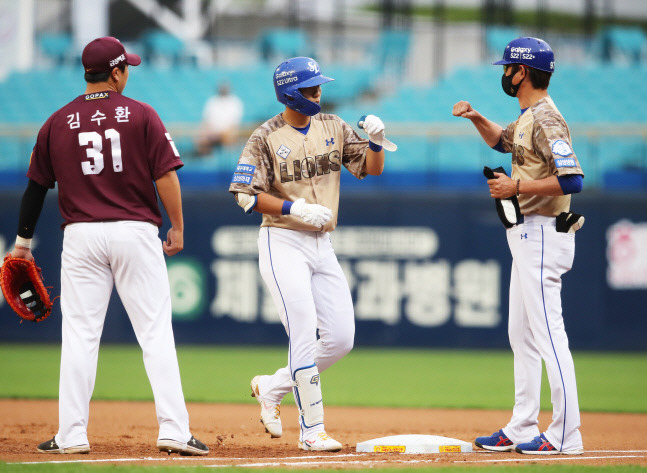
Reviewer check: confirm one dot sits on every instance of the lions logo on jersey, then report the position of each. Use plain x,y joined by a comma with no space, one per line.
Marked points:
561,148
283,151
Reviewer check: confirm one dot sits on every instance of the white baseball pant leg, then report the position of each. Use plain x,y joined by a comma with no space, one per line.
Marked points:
310,292
541,255
128,253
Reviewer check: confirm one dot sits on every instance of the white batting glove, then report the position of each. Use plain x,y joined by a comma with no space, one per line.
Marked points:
314,214
375,129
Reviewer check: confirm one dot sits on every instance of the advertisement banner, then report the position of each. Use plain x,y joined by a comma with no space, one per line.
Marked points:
425,270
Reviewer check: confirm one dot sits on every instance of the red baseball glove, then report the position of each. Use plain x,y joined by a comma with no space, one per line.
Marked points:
22,286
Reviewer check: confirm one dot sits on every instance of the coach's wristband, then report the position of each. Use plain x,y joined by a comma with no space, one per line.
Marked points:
23,242
374,147
287,205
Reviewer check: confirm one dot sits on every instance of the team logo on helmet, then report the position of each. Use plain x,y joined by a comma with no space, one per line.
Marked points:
294,74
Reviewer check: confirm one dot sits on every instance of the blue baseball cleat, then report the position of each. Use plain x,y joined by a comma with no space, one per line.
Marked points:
497,442
541,446
537,446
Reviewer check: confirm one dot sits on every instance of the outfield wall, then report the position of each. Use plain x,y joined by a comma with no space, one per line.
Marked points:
426,270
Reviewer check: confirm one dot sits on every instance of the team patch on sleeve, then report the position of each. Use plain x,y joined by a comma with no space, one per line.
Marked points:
245,168
243,174
241,178
561,148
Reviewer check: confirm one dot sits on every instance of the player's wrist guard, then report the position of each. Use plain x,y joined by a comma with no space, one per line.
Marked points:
374,147
23,242
286,207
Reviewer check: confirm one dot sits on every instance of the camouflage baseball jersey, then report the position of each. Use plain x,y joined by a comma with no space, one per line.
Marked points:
540,143
287,164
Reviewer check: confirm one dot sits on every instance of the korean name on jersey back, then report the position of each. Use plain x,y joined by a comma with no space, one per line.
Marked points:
97,95
309,167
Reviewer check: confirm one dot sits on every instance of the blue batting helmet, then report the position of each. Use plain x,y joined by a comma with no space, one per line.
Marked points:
532,52
294,74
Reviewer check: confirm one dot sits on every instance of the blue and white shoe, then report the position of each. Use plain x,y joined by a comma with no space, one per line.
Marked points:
497,442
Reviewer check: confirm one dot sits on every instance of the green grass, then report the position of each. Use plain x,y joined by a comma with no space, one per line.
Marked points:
366,377
607,382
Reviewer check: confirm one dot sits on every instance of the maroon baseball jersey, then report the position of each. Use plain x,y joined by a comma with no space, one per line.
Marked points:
104,150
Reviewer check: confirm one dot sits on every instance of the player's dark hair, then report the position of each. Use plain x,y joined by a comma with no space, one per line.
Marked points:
538,79
102,76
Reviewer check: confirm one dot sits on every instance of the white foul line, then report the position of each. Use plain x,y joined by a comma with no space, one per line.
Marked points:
184,459
308,463
544,458
332,459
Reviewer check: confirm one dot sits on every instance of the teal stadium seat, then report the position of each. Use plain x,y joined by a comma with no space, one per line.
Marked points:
57,46
627,41
498,37
393,50
283,43
159,46
11,156
606,94
351,83
621,154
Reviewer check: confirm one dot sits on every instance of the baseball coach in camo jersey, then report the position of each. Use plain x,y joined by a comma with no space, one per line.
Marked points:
541,237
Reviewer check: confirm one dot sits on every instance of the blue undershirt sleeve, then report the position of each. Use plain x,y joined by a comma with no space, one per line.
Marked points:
499,146
571,183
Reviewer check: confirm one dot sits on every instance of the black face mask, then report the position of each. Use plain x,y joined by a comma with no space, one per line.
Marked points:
508,87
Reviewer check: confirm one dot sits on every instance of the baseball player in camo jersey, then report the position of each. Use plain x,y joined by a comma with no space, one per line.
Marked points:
105,150
289,171
545,172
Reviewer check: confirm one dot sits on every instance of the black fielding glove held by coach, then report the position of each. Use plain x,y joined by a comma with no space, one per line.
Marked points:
507,209
569,222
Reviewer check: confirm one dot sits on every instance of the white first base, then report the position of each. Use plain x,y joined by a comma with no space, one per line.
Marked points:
414,444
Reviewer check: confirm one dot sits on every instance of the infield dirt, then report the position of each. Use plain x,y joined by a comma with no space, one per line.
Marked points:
119,430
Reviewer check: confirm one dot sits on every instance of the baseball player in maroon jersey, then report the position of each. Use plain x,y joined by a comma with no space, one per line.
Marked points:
290,172
107,153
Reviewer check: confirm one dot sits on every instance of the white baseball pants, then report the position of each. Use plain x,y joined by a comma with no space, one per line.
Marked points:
311,295
128,254
540,256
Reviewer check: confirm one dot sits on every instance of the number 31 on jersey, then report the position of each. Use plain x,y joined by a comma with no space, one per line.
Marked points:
95,162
